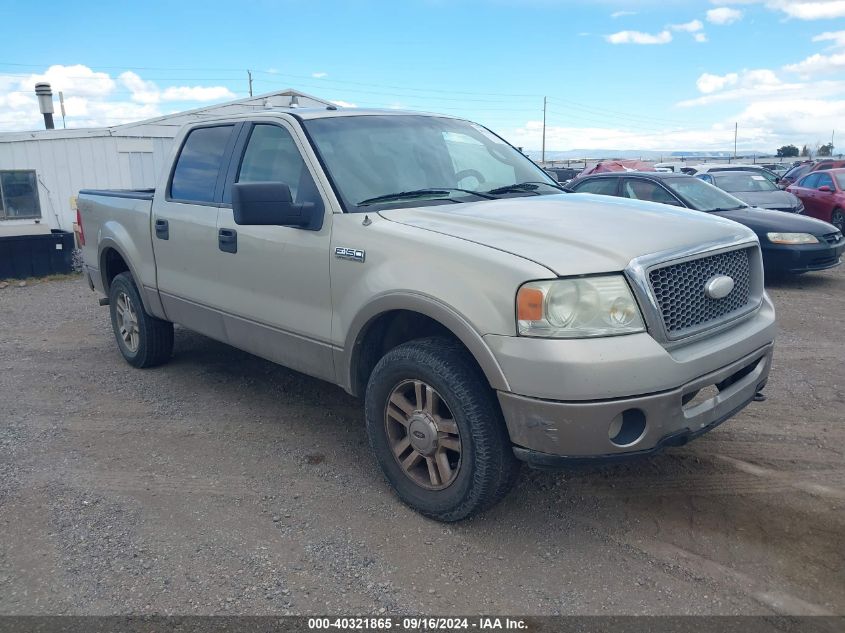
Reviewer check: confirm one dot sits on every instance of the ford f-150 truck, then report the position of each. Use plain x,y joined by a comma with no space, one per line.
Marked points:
486,317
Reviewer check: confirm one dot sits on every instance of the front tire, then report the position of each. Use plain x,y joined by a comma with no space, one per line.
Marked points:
143,340
837,219
437,430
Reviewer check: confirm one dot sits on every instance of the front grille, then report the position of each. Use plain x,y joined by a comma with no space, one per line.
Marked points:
832,238
679,291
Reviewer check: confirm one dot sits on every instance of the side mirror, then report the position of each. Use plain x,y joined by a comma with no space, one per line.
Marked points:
777,179
825,188
270,204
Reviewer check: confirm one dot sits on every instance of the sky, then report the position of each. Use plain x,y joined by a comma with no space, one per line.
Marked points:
653,75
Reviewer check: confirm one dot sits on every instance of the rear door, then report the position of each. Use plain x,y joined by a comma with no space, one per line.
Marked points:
806,191
185,226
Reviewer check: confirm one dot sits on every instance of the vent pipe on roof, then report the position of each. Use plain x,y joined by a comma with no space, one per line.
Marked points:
294,101
45,103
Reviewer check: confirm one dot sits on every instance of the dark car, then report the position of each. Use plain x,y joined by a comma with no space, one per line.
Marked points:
794,174
789,242
755,190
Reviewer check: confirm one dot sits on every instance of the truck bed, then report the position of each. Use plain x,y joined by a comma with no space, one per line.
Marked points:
137,194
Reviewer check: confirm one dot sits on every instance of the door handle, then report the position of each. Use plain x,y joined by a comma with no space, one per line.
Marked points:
162,229
227,240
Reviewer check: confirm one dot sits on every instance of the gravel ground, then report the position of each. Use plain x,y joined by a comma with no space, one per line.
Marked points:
223,484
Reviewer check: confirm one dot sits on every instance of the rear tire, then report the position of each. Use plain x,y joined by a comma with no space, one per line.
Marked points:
143,340
437,431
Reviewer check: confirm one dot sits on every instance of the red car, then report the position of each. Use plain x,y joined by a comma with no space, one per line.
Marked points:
823,195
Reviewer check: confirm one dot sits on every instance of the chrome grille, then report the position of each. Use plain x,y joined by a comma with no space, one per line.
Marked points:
683,304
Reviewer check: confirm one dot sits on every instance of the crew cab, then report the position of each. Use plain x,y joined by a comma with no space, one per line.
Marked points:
422,263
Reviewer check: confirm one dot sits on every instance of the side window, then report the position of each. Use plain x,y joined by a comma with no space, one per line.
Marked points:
271,155
825,180
600,186
19,195
637,189
196,171
810,181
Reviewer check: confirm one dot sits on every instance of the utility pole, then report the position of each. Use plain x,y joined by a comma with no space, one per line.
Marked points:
543,158
736,129
832,134
249,75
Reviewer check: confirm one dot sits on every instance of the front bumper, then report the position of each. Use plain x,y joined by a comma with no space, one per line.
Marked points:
801,258
549,433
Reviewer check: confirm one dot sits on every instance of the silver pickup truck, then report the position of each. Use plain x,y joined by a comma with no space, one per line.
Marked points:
486,317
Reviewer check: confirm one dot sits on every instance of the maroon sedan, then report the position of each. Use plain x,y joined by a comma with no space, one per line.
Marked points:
823,195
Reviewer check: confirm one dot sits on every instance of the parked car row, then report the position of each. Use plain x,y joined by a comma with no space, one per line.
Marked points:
790,242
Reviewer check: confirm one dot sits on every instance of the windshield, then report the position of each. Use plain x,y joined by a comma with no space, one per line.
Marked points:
402,159
740,181
701,196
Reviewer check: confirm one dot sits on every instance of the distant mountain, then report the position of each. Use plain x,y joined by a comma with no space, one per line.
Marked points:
595,154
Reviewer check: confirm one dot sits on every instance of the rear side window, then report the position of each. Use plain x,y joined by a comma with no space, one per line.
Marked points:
202,155
637,189
600,186
810,181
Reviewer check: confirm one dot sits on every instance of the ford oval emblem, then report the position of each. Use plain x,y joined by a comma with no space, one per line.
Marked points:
719,287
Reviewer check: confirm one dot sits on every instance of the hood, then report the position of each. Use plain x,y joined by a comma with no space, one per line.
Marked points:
762,221
573,234
768,199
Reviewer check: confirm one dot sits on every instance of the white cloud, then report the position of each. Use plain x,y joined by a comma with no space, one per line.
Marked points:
93,98
723,15
196,93
622,14
690,27
708,83
79,79
818,64
798,9
319,75
637,37
700,37
837,37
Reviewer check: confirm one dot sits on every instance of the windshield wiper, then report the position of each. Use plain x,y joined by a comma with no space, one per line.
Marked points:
519,187
418,193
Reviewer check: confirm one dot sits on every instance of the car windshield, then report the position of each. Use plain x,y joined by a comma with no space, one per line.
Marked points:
741,181
401,160
703,197
840,180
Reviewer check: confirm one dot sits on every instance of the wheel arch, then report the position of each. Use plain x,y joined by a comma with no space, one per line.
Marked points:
396,318
112,261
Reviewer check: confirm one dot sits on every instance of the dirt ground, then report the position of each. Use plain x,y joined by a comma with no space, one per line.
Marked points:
224,484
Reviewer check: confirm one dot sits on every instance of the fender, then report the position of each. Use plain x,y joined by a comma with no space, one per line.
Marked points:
149,296
347,358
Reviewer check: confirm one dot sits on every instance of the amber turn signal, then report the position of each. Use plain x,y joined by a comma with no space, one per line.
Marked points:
529,304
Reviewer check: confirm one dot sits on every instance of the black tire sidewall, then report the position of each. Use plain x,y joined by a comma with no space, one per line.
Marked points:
464,393
123,283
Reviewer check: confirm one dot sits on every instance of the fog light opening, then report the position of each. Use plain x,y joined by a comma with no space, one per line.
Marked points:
627,428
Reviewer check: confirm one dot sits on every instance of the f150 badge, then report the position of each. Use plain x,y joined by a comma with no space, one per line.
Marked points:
354,254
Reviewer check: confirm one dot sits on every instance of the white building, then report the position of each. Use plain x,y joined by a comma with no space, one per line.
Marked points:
41,171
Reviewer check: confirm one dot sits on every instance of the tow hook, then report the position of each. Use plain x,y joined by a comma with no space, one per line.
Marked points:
759,397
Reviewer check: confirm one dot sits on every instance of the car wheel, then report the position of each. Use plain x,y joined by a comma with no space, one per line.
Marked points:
437,431
838,219
143,340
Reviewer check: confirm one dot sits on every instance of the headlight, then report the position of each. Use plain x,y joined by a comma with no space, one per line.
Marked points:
578,308
792,238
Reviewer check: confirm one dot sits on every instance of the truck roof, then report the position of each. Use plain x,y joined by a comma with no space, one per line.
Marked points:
325,113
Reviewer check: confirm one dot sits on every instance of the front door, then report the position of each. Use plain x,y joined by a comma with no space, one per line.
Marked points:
278,294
